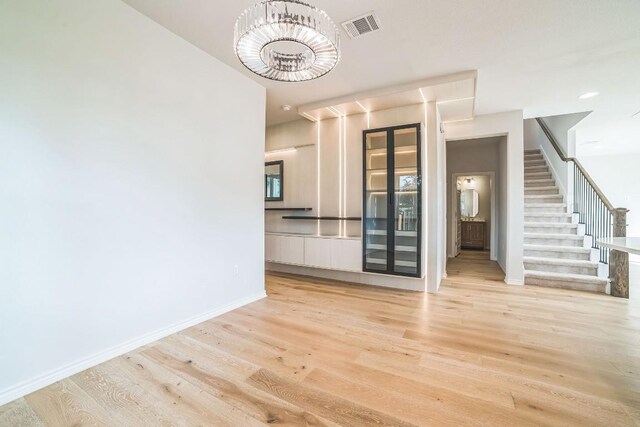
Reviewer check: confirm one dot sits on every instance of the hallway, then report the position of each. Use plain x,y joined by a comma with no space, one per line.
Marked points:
474,265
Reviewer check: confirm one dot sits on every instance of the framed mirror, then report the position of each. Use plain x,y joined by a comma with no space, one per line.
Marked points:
274,181
469,204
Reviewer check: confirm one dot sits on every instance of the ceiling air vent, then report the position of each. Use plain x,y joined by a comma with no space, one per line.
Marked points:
362,25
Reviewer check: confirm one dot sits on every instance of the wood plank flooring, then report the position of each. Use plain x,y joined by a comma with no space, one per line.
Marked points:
322,353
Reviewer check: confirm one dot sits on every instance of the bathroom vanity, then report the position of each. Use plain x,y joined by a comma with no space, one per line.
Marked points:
473,234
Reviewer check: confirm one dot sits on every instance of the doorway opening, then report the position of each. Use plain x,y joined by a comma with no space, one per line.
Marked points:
473,206
477,205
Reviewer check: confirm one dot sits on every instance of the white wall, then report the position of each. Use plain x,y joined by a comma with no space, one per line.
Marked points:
131,187
511,125
434,201
561,125
504,209
535,138
616,175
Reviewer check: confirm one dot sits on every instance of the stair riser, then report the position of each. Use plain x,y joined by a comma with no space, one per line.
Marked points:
544,209
543,219
557,255
537,176
534,162
569,269
570,231
539,183
588,287
572,243
532,157
536,169
540,191
550,230
547,199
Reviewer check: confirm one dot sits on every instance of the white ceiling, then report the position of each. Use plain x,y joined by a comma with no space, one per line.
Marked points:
534,55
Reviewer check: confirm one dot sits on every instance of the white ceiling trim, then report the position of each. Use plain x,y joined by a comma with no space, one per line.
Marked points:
455,93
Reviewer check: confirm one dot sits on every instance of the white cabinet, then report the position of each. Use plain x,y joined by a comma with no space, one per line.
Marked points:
271,247
284,249
333,253
292,250
317,252
346,254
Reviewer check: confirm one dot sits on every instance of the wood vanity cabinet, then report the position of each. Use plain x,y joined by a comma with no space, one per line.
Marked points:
473,234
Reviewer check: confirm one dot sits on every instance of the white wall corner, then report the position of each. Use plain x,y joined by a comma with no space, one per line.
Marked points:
514,281
434,173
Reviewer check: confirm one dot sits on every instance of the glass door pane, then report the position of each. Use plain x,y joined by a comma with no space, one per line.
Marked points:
406,200
376,201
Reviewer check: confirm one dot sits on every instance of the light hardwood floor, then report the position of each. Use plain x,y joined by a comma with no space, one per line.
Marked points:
323,353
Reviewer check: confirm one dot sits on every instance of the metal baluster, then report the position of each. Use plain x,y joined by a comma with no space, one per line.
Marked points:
593,218
601,227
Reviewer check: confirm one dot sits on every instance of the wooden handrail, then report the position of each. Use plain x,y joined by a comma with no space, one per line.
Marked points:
554,142
552,139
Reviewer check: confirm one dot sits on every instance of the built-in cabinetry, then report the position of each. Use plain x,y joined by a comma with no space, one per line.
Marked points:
473,234
392,197
329,252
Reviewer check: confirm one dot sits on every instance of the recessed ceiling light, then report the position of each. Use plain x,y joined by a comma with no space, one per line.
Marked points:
589,95
286,107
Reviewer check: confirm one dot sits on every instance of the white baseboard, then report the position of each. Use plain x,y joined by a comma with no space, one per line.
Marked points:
29,386
516,282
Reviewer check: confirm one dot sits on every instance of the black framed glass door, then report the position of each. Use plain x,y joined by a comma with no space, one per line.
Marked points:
392,200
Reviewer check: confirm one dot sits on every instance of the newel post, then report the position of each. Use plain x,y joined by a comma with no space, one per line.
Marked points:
619,261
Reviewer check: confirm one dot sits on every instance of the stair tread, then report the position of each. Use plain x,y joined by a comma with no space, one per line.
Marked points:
549,214
536,205
561,261
570,277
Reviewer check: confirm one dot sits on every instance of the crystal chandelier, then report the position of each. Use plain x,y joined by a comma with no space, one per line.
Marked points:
287,40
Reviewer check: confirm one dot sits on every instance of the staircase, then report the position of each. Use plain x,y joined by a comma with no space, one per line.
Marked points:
554,245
